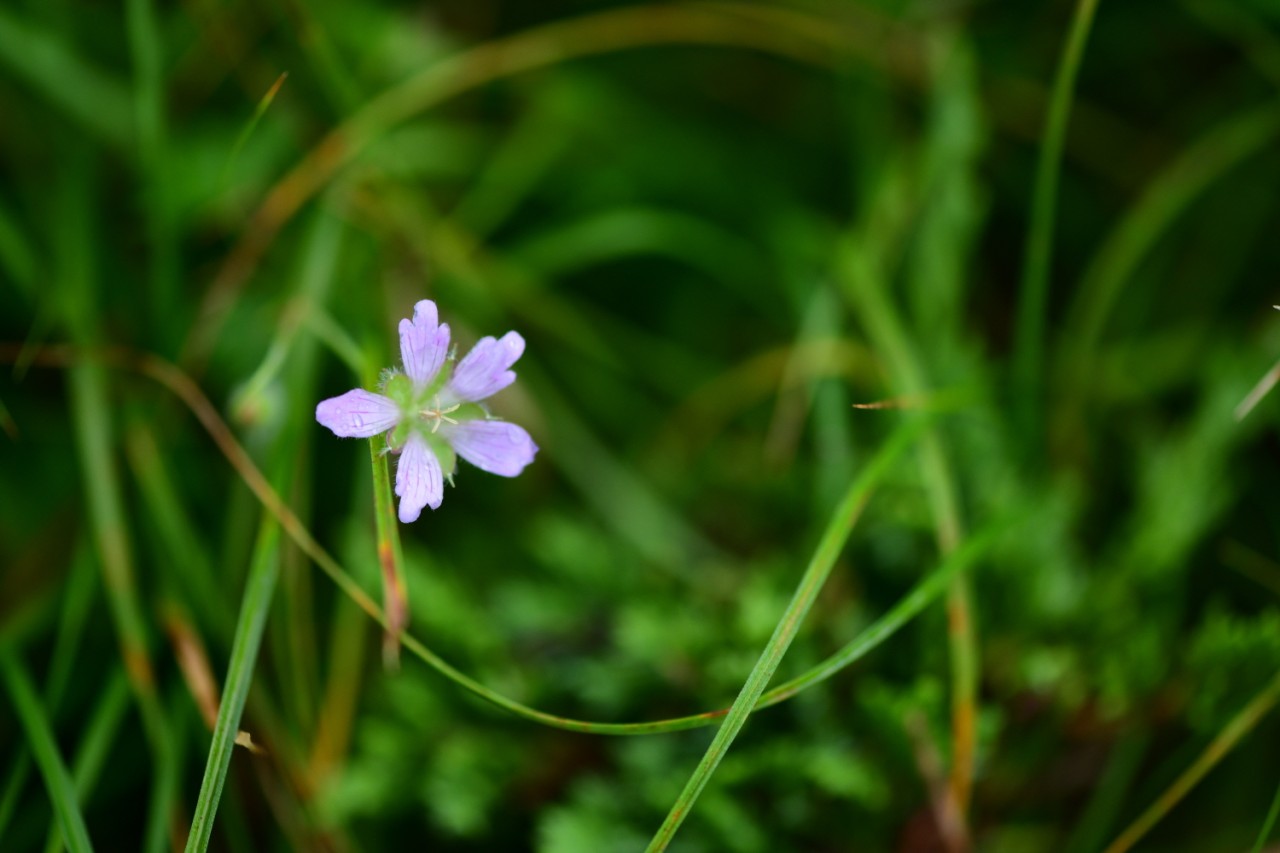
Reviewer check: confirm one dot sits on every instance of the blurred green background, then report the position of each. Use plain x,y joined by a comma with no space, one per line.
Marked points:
718,226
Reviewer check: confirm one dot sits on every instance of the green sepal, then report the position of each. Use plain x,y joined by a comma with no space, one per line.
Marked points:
398,436
469,412
442,450
399,388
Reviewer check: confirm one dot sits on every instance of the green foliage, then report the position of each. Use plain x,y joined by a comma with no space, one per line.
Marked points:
719,227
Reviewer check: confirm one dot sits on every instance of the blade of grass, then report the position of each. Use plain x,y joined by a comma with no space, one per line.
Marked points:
866,292
1272,814
40,737
90,95
815,575
263,575
319,260
184,546
1225,146
146,51
263,105
1227,739
76,603
93,426
395,589
924,593
1108,795
1033,293
109,710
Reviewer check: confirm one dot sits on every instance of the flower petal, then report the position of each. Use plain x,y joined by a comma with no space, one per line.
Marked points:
486,369
424,343
358,414
495,446
419,482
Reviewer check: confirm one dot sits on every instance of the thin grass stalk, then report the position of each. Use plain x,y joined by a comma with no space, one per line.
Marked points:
1232,733
395,588
882,323
1267,825
146,50
263,575
94,747
35,724
1099,816
1033,294
1207,160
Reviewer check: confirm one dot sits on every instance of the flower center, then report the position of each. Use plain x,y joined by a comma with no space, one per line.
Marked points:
438,415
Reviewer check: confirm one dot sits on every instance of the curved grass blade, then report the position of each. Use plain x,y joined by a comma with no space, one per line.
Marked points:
921,596
35,723
1204,162
829,548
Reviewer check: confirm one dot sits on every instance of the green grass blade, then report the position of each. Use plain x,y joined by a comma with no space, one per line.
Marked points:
39,734
1230,736
99,736
824,557
866,288
90,95
146,49
1269,823
924,593
1213,155
263,575
247,131
1033,294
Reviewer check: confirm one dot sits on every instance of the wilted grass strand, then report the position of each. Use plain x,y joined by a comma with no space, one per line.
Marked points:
263,575
815,575
1232,733
1033,294
35,724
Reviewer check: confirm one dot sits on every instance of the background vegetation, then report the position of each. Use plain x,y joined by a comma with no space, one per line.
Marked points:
719,226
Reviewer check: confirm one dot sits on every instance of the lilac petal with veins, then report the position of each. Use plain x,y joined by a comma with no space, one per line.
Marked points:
424,343
498,447
419,481
486,369
358,414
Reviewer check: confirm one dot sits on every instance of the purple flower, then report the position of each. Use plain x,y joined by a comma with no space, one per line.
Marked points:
432,412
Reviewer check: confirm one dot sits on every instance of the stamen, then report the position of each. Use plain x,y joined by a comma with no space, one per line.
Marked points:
438,415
